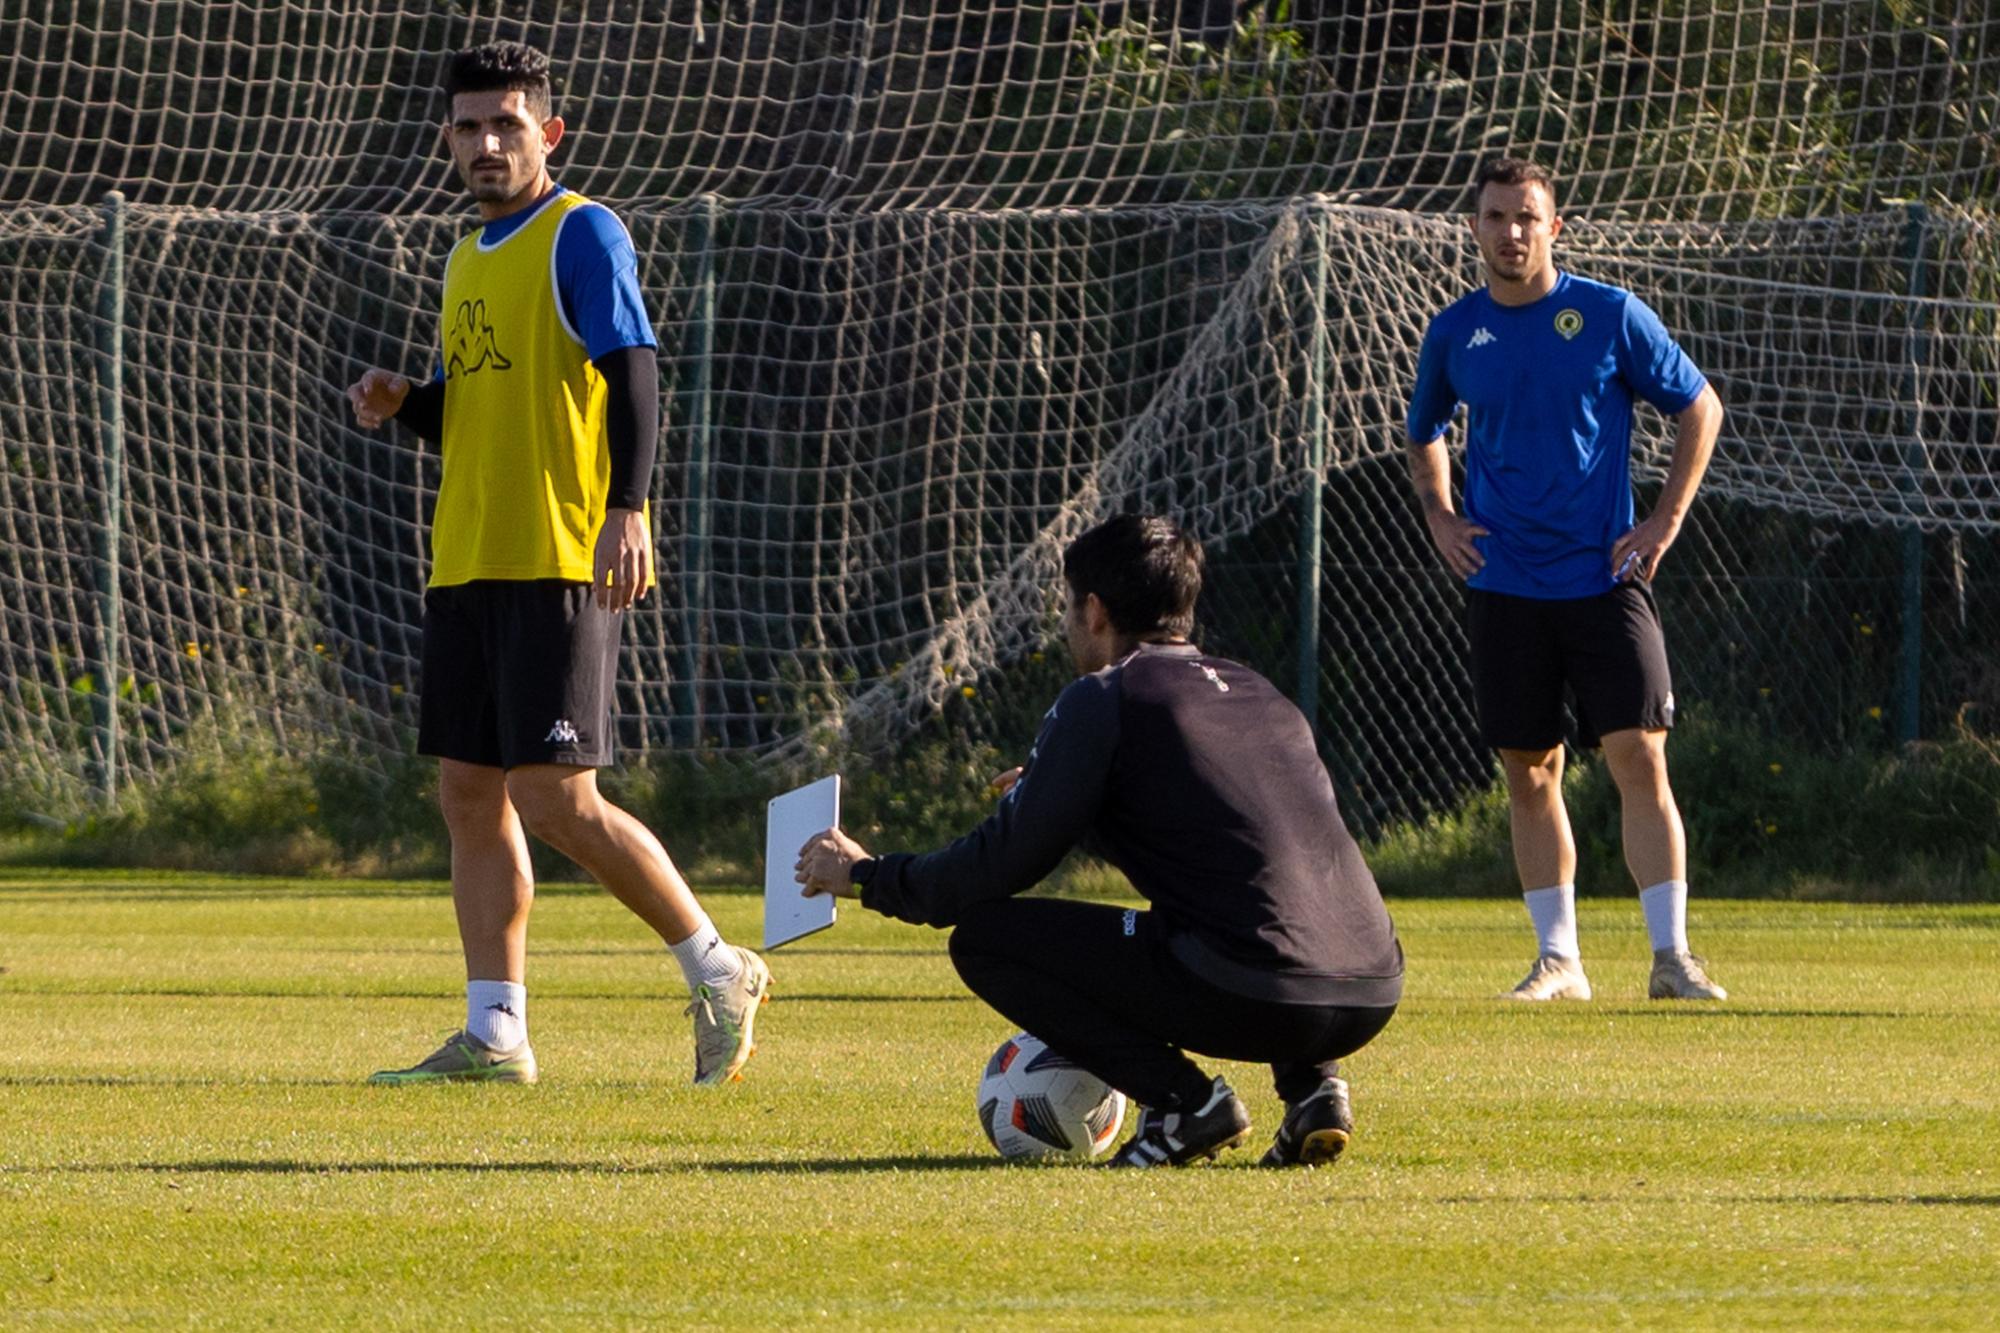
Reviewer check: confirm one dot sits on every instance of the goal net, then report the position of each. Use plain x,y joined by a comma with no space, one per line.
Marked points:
939,284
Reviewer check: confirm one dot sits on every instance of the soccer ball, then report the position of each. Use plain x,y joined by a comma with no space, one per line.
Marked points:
1034,1104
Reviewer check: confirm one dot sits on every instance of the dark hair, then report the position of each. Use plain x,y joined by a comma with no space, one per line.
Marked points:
501,65
1145,570
1512,171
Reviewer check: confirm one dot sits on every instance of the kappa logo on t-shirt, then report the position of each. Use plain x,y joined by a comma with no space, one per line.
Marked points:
1481,336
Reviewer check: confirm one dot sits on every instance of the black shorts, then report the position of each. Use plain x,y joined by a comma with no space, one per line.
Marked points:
518,672
1607,649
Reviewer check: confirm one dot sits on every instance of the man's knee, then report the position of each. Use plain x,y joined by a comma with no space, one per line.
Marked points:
1637,760
1532,772
551,801
471,795
979,927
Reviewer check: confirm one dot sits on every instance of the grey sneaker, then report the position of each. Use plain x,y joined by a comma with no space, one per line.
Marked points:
1552,978
465,1059
1680,976
1315,1131
723,1019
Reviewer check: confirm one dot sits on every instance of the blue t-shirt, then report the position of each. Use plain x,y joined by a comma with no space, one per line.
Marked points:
596,274
1548,391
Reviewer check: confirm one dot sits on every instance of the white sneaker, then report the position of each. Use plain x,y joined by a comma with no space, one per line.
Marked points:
1552,978
464,1058
723,1021
1680,976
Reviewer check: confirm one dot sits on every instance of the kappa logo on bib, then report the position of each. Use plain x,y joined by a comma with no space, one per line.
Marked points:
470,345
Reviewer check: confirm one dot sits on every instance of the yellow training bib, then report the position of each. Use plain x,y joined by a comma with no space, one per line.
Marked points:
526,469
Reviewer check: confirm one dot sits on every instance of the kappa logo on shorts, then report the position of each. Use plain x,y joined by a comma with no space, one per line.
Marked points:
562,733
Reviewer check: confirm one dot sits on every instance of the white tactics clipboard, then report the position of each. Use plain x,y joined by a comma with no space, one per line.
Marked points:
790,820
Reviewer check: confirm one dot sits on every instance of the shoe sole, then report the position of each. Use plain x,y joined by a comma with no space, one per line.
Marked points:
412,1080
1211,1154
733,1072
1323,1147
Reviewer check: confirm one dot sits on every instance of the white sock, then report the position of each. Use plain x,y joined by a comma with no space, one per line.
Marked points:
705,960
496,1012
1666,909
1553,911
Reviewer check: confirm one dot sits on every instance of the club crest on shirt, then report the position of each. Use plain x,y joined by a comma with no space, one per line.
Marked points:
469,345
1569,323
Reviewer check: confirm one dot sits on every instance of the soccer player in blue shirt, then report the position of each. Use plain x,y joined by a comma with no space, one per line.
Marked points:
1557,570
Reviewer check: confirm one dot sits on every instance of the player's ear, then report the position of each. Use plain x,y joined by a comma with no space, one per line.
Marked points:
552,133
1096,616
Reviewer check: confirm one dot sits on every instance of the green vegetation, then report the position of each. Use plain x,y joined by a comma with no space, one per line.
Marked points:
183,1137
1768,816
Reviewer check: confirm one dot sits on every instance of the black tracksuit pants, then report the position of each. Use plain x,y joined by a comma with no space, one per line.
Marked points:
1099,985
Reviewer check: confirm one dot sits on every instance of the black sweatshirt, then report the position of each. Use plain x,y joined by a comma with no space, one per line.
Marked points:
1201,782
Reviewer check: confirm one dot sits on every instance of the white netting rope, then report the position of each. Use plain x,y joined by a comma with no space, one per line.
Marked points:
1689,109
945,287
1168,459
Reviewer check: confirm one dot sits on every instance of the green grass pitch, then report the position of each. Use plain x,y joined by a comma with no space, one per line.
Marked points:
184,1137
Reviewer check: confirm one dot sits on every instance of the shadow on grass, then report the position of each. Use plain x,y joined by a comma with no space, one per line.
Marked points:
165,1081
301,893
289,890
1691,1013
1664,1011
1807,1200
638,997
787,951
288,1166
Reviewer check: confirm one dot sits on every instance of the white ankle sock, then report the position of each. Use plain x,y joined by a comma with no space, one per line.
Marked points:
496,1012
1666,909
1553,911
705,960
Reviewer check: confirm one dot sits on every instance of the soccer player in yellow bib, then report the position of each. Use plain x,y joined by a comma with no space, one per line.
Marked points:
546,407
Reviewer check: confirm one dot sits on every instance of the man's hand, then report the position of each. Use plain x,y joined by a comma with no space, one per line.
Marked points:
1452,534
824,863
377,396
1637,554
623,563
1004,782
